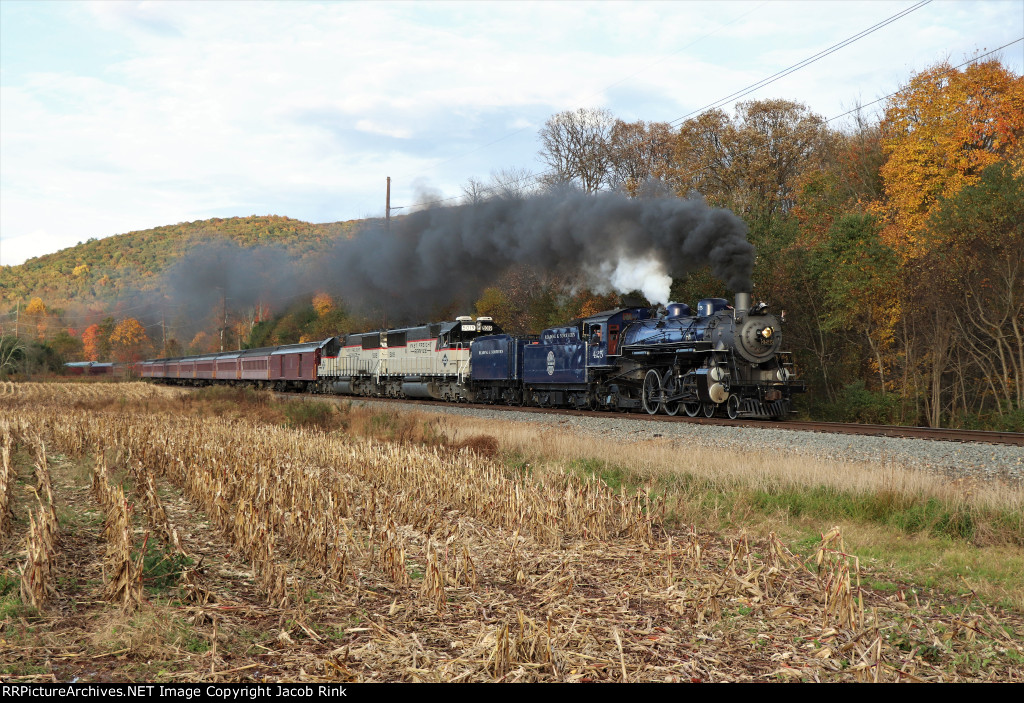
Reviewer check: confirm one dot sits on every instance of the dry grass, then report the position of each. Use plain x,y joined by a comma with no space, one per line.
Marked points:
331,556
547,448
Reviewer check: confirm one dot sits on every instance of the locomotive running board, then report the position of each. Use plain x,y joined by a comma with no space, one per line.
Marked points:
675,348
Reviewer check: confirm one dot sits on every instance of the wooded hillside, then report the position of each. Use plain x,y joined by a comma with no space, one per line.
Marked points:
100,271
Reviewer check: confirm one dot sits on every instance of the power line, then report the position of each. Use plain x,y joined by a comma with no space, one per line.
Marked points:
736,95
743,91
954,68
802,64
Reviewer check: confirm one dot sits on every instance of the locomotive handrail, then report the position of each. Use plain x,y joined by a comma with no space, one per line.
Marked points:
694,346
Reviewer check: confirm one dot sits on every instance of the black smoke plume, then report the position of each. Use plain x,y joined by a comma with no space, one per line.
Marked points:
222,276
435,256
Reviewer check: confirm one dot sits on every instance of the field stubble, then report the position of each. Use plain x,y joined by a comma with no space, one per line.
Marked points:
289,546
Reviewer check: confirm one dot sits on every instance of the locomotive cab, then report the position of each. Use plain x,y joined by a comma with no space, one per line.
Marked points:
603,333
464,330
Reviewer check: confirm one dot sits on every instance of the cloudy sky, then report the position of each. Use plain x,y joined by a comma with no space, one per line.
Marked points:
119,116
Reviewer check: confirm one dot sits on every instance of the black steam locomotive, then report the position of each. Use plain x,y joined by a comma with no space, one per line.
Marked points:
722,359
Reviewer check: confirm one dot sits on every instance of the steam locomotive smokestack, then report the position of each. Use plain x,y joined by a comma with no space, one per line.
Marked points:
742,302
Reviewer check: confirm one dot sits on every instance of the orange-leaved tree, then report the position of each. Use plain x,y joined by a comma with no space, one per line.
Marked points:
129,340
36,312
939,133
91,343
750,164
323,304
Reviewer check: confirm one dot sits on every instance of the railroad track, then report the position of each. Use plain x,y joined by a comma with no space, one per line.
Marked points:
932,433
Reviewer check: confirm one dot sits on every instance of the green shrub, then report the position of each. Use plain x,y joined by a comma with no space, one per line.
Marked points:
856,403
310,413
162,567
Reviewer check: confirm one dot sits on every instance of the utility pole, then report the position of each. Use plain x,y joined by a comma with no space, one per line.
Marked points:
387,225
224,303
387,221
388,208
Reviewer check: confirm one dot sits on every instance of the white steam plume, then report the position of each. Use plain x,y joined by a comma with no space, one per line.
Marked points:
626,275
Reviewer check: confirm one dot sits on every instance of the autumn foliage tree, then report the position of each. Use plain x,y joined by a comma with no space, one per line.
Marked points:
637,152
201,343
129,341
323,304
36,312
849,182
940,133
751,163
92,343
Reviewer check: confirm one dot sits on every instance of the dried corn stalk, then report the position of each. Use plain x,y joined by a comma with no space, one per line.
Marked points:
433,581
122,575
42,540
6,477
37,572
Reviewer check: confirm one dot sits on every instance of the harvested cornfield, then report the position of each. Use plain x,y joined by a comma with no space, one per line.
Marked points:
245,550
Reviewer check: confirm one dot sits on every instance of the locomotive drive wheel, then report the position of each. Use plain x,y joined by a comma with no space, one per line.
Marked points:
692,409
670,385
650,397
